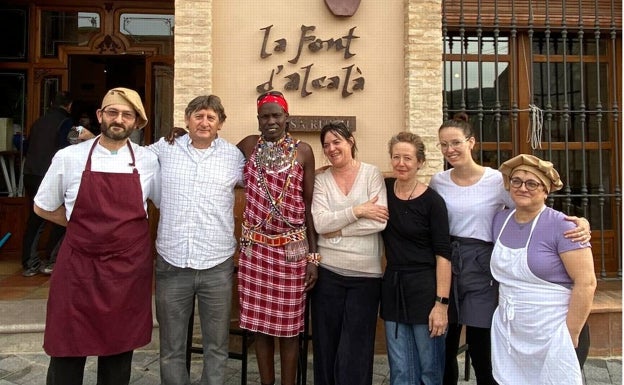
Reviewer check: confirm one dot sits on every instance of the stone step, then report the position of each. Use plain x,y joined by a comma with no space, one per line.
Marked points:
605,320
22,324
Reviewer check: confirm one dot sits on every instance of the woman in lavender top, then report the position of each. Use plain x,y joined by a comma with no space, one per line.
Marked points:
473,195
546,283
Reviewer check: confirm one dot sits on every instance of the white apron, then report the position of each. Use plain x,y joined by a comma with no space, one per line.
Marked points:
530,340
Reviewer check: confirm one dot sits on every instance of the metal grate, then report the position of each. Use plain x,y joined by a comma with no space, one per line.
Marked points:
543,77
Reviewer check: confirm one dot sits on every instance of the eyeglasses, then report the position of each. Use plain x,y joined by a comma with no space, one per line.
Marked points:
125,115
443,146
530,185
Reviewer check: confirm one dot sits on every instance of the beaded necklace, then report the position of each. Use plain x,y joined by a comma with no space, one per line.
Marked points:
273,158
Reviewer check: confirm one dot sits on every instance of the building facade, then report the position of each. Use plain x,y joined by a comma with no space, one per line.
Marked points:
541,77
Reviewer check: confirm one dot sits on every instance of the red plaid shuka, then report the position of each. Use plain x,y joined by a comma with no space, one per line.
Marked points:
270,288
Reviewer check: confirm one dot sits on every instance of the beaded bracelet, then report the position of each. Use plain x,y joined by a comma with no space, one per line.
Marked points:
314,258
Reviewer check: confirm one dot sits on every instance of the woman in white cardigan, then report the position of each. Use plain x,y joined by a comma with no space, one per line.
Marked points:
349,210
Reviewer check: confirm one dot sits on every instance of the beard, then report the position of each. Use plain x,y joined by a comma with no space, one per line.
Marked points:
108,132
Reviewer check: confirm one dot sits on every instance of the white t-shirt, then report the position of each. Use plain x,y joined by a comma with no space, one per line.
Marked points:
62,181
472,208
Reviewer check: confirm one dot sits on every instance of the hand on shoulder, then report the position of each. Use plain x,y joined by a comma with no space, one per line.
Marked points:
175,132
248,144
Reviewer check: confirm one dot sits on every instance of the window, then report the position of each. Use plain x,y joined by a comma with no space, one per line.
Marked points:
50,86
66,28
13,86
552,92
149,28
14,27
477,81
138,25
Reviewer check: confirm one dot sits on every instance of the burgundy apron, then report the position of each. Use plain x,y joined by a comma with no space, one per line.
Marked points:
100,300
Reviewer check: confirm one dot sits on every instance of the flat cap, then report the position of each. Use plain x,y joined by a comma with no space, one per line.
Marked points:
128,97
543,169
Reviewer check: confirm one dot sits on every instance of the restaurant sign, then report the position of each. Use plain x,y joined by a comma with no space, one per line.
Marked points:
306,123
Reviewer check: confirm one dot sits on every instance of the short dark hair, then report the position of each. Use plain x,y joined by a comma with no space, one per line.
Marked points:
62,99
338,127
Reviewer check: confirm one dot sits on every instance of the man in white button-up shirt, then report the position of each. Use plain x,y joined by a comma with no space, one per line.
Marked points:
196,242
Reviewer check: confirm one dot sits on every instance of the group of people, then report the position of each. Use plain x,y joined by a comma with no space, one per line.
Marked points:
100,294
307,231
439,242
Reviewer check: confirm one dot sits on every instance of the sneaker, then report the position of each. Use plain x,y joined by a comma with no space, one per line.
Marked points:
47,269
31,272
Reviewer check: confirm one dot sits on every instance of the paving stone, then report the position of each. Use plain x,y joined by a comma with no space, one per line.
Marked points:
27,376
30,369
615,371
12,363
596,372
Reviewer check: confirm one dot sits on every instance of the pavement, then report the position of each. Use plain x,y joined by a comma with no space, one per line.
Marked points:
30,369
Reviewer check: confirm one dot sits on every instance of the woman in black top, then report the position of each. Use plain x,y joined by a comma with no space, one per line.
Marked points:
416,283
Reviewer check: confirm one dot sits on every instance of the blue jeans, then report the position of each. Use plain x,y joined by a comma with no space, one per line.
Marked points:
175,289
414,357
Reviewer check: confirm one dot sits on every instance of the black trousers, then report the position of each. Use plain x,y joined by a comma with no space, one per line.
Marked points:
451,369
34,228
112,370
583,346
344,321
479,348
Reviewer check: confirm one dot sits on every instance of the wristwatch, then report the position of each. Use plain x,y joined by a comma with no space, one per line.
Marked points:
442,300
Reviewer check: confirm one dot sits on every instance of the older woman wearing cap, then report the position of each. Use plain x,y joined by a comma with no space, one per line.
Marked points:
278,259
100,301
474,292
546,282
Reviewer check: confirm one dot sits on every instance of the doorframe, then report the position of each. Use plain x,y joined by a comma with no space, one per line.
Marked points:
149,91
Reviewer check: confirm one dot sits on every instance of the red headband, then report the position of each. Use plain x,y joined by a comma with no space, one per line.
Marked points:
269,98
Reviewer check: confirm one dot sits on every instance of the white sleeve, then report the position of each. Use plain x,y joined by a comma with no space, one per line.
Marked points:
51,193
155,147
326,220
156,187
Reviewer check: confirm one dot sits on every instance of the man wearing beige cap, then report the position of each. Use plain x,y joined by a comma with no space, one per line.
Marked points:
100,294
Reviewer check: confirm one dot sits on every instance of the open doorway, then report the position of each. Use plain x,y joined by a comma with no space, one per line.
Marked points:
90,76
